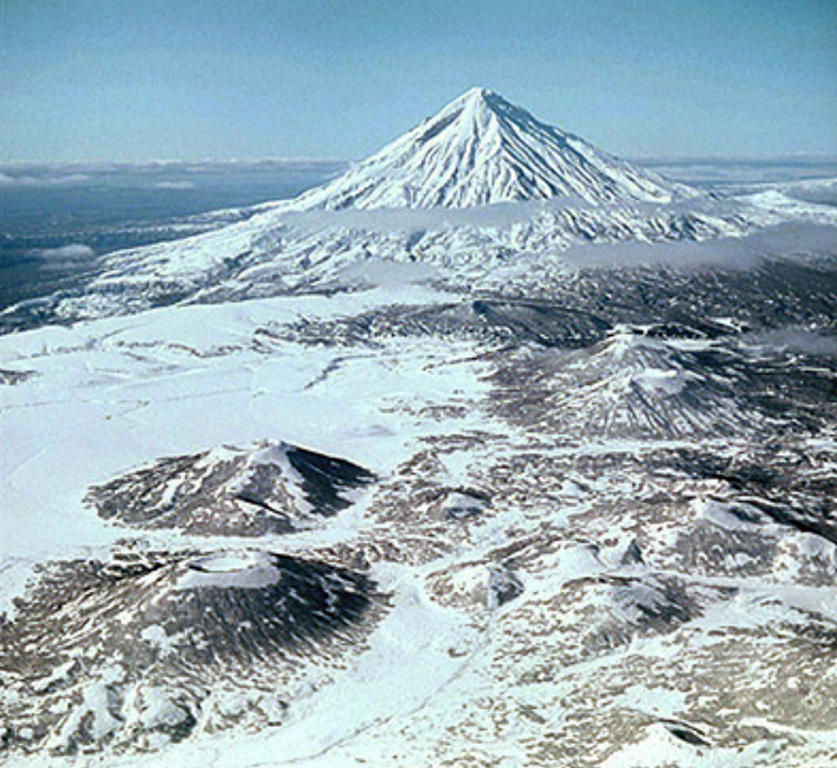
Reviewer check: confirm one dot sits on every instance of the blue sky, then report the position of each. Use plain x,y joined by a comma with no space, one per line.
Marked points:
135,80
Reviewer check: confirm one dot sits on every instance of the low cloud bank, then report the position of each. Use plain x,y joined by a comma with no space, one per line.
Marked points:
30,180
65,254
787,240
174,185
797,340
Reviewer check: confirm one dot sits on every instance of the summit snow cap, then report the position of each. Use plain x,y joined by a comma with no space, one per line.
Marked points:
481,149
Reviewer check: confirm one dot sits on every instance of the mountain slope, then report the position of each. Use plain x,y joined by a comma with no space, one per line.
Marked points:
479,150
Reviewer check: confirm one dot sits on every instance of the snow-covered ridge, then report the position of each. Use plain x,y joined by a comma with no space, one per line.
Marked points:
479,150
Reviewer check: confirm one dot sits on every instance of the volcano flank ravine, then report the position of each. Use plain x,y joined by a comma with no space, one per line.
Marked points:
494,450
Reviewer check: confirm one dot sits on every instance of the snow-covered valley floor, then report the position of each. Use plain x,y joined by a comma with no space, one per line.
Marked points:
573,540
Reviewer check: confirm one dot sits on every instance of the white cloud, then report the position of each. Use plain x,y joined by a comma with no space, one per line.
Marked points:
174,185
28,180
72,252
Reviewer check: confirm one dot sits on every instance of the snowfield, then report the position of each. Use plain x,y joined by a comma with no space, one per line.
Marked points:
494,451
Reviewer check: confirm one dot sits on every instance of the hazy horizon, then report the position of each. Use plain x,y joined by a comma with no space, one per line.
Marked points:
800,158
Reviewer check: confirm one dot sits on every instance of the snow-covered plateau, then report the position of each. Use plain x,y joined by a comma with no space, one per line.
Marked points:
494,451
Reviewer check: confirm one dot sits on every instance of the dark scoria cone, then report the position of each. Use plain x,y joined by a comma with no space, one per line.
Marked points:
110,652
268,488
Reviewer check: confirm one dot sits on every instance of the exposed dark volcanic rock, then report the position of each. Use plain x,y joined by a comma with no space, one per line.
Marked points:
324,479
15,377
94,642
504,585
543,323
592,617
688,733
220,608
493,320
465,504
717,300
270,488
790,487
581,308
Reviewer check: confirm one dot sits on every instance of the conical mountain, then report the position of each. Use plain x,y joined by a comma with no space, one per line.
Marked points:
481,149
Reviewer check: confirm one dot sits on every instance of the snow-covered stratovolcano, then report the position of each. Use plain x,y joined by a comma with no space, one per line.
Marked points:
482,194
481,149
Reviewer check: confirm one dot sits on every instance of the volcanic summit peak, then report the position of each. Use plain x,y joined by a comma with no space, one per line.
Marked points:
475,98
477,92
478,99
480,149
476,108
